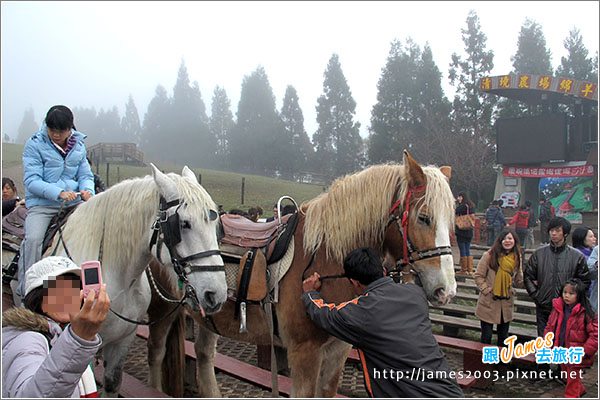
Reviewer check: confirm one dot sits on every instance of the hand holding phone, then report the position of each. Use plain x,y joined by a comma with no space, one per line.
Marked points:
91,277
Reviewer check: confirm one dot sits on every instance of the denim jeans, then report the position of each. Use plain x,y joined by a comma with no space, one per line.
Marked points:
541,318
36,224
465,248
487,329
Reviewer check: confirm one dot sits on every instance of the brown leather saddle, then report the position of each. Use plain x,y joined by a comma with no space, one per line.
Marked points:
254,244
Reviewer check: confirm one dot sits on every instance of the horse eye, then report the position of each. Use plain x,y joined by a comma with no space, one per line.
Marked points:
425,219
212,215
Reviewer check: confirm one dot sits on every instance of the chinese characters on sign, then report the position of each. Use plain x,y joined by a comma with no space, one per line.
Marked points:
545,172
545,83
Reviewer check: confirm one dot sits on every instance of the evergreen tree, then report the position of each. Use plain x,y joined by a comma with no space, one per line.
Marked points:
221,124
130,124
258,126
410,100
295,150
532,57
189,125
337,140
157,123
109,126
577,64
471,140
27,127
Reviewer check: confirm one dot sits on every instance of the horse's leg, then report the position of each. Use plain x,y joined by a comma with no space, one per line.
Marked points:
114,355
335,353
206,346
169,331
304,359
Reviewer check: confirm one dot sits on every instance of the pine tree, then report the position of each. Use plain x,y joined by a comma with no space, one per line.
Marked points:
258,126
411,104
296,149
337,140
109,126
532,57
27,127
130,124
189,125
221,124
471,140
577,64
156,125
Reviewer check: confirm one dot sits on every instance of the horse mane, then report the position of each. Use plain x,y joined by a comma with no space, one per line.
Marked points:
355,210
125,212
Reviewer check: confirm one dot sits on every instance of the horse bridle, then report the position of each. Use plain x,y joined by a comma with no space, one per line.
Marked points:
167,230
408,249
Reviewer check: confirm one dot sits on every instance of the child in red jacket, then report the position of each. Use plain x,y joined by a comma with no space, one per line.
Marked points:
574,324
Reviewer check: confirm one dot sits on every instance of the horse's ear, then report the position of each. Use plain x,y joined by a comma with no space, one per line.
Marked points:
189,173
447,171
414,173
166,186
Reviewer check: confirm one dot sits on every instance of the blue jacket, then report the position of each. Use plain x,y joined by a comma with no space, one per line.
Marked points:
46,173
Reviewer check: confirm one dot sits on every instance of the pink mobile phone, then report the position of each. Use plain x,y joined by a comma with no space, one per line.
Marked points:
91,278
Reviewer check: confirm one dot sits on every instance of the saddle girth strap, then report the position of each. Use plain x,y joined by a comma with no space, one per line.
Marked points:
244,285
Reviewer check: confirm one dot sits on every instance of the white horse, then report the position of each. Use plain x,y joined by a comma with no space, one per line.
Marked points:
122,221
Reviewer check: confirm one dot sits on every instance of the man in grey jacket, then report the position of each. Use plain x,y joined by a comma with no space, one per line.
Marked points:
389,324
549,267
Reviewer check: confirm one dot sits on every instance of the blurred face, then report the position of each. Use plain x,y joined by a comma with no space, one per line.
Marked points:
460,199
61,298
508,242
590,240
557,236
569,295
275,211
8,193
59,137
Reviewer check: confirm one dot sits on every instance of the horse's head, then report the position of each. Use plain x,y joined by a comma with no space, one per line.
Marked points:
186,225
417,239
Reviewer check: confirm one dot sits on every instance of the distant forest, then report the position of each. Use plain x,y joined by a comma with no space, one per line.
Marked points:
411,113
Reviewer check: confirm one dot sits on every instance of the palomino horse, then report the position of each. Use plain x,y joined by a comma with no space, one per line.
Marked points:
404,211
120,226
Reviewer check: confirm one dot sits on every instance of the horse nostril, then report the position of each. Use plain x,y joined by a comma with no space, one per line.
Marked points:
209,298
439,294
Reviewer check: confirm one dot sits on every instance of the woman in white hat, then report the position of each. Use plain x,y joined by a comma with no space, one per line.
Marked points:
47,347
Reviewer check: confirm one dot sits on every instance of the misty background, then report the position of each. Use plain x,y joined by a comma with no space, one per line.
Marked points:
287,88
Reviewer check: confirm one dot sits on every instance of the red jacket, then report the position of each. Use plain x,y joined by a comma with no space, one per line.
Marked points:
578,333
521,218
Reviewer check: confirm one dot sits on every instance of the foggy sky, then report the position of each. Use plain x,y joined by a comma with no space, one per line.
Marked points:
95,54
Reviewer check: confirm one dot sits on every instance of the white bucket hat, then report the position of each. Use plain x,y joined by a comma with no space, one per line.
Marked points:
47,268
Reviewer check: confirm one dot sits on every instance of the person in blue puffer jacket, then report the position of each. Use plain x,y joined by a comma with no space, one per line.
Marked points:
55,168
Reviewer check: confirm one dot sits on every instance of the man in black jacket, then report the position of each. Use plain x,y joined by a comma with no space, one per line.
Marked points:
549,267
389,324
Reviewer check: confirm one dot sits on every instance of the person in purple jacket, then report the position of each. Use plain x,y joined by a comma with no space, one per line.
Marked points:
48,345
56,172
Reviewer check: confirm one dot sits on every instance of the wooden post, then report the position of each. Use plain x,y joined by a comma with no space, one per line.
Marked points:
243,184
107,175
200,179
118,174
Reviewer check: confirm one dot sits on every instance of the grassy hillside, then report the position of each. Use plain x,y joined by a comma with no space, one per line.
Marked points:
224,187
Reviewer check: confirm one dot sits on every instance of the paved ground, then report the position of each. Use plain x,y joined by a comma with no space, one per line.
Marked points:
351,383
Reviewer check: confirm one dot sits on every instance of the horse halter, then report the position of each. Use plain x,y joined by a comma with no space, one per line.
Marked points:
167,230
408,249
